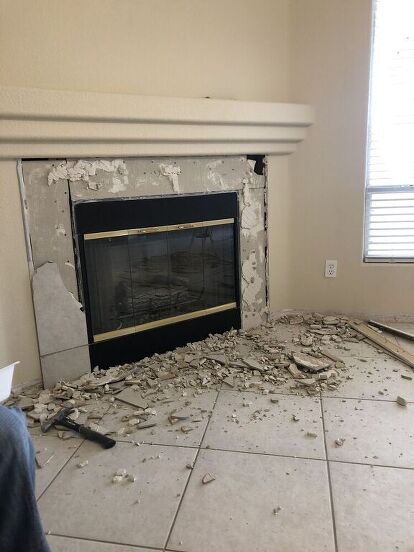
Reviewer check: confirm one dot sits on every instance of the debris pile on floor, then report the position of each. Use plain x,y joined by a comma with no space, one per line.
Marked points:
261,359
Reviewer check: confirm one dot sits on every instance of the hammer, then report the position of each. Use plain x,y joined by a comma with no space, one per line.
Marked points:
61,418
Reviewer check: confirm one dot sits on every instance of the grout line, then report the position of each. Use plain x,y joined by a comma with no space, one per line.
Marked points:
329,480
160,444
189,477
304,458
370,465
264,454
59,472
137,546
361,399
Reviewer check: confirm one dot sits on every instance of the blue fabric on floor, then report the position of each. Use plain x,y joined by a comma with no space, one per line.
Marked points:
20,526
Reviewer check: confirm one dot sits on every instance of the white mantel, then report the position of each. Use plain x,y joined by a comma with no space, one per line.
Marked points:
40,123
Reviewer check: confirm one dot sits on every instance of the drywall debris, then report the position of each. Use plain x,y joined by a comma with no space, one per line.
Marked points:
330,320
74,415
310,363
83,170
306,340
171,172
258,359
133,397
82,464
207,478
339,442
173,419
43,457
401,401
253,364
145,425
117,479
294,371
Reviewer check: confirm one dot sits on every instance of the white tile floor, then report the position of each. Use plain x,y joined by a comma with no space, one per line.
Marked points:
277,488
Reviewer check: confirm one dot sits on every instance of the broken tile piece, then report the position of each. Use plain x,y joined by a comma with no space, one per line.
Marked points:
132,397
310,363
207,478
294,371
401,401
60,322
43,457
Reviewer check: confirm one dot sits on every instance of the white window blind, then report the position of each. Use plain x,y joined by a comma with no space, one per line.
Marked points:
389,209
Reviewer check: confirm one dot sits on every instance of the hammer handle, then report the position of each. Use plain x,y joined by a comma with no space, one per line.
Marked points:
91,435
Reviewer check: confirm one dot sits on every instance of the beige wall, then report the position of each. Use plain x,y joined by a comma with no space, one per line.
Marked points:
192,48
329,63
17,327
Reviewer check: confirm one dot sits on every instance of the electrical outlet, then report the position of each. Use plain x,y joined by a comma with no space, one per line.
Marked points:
330,269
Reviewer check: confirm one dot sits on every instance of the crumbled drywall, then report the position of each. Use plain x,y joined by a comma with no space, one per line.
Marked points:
83,170
251,217
145,178
253,258
171,172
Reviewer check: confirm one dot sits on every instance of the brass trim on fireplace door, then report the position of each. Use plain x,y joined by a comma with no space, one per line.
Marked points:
163,322
154,229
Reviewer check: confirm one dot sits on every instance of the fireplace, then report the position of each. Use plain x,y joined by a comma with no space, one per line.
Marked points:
138,256
156,273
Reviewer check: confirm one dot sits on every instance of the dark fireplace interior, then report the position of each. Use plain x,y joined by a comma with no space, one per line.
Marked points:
157,273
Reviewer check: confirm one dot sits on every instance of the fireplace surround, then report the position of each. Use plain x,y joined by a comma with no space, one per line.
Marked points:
80,146
71,206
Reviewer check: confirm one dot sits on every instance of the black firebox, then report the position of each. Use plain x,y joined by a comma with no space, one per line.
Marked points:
157,273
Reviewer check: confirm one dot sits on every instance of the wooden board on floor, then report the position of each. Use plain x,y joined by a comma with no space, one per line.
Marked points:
383,342
390,329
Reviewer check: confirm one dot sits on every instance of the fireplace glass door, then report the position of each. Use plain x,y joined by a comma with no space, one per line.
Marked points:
142,278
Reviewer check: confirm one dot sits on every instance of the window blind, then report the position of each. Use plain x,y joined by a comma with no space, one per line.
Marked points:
389,208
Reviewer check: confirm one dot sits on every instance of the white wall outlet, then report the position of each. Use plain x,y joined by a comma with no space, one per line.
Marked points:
330,269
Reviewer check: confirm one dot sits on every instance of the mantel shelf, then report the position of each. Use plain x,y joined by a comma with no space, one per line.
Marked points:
51,123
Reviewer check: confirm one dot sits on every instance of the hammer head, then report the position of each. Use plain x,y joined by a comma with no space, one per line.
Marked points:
56,419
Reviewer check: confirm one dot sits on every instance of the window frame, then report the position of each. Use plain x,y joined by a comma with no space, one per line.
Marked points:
368,190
